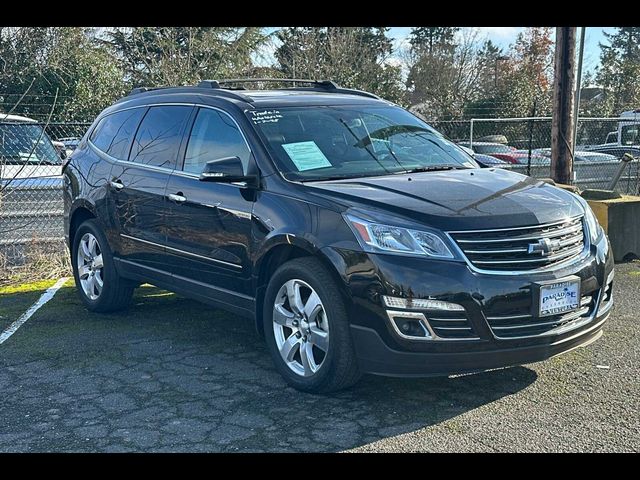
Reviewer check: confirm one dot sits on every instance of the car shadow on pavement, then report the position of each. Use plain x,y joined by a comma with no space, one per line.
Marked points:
170,374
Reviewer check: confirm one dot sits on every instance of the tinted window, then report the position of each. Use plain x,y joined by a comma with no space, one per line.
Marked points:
214,136
158,138
114,132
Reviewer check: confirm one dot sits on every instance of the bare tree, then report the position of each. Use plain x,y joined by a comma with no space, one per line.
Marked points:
441,82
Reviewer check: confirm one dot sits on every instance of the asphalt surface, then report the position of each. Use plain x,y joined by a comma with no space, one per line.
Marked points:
173,375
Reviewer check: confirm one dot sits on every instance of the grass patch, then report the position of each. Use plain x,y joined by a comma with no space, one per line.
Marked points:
16,299
153,314
43,260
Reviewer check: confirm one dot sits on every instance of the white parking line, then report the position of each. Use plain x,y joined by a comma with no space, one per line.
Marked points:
46,296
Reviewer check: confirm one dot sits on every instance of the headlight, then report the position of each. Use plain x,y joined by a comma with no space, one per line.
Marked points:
595,230
376,237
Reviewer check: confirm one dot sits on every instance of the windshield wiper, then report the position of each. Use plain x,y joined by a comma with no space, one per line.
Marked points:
431,168
333,177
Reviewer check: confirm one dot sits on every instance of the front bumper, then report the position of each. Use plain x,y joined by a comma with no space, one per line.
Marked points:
376,357
382,350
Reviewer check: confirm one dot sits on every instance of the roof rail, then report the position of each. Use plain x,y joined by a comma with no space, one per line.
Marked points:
315,84
320,83
203,84
138,90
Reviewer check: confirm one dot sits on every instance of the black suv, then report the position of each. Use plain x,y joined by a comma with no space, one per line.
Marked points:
358,238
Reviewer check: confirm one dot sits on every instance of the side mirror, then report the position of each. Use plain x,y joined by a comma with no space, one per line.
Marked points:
226,170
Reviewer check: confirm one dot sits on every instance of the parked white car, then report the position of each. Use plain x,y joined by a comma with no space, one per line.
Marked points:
26,151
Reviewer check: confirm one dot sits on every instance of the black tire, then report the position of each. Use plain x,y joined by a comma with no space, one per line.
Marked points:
339,368
116,291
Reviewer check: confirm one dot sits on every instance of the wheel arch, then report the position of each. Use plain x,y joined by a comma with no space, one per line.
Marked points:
277,253
81,213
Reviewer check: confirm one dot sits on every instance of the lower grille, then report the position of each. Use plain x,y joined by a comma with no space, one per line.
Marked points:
450,325
515,326
520,249
432,325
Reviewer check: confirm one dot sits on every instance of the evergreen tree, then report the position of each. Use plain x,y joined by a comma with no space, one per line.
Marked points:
433,39
620,69
37,62
354,57
156,56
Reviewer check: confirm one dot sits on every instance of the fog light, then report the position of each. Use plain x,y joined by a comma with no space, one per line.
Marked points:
410,325
421,304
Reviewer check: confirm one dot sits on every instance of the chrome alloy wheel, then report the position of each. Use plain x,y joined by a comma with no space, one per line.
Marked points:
90,266
300,327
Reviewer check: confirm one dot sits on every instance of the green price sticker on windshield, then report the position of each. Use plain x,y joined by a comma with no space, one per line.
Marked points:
306,155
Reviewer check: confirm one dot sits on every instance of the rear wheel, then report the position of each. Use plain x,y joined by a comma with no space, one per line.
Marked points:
306,328
100,287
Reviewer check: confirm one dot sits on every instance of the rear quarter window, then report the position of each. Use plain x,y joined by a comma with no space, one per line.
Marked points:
114,133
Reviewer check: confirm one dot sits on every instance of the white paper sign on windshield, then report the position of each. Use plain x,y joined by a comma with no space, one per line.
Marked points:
306,155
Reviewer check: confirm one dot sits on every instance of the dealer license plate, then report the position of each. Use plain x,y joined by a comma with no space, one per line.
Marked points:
559,297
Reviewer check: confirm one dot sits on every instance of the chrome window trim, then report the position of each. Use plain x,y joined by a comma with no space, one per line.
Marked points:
559,266
182,252
177,171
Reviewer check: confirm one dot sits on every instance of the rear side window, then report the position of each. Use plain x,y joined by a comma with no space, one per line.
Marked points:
158,139
214,136
114,133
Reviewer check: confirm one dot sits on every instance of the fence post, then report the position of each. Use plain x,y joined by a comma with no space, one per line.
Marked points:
471,135
533,114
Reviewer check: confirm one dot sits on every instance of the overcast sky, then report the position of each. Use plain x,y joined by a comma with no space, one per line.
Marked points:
503,37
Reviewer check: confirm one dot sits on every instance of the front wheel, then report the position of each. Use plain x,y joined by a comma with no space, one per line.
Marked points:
307,330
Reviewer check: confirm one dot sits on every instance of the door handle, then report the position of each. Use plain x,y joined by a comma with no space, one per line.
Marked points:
177,197
116,184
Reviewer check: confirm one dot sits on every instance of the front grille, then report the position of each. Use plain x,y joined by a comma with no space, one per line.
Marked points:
523,325
538,247
452,325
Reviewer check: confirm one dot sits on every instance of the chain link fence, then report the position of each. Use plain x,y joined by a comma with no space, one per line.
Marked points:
31,208
524,145
31,157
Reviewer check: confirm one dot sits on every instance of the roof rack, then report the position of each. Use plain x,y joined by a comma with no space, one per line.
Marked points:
138,90
205,83
313,85
217,83
327,85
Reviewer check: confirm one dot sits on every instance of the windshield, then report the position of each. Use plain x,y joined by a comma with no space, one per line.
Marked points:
17,141
328,142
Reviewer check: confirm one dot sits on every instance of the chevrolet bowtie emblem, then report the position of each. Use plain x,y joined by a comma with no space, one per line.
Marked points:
544,246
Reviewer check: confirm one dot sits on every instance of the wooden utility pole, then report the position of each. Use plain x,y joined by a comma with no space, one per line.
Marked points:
562,137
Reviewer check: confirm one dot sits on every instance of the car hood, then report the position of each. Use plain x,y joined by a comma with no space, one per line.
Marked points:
457,199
